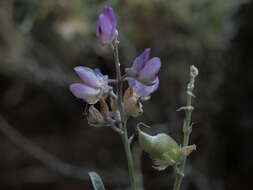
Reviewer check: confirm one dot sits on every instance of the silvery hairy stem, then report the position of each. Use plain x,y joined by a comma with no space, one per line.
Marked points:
123,122
187,127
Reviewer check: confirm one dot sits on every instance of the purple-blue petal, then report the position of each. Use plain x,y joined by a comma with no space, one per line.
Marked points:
131,72
141,60
103,77
98,72
138,64
86,93
106,25
143,90
108,11
88,76
150,71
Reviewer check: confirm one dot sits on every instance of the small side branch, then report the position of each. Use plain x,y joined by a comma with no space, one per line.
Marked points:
187,127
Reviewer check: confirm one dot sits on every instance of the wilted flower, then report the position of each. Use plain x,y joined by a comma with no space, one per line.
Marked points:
99,118
106,25
142,90
95,118
94,86
144,70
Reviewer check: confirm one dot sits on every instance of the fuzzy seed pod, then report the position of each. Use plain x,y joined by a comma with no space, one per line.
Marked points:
162,149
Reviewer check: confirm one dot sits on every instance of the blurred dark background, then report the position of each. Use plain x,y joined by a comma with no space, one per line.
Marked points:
40,43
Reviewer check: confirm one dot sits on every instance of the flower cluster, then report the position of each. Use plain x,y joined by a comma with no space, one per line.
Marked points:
109,105
142,79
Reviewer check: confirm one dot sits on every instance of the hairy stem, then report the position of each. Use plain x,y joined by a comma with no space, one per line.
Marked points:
187,128
129,156
123,122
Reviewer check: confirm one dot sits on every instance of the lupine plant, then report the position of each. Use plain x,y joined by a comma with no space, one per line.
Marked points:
110,105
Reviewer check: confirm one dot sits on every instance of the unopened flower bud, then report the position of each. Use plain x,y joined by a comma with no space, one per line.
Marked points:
106,26
162,148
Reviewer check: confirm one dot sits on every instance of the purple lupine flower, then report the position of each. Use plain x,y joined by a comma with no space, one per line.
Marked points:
106,25
143,90
94,86
144,70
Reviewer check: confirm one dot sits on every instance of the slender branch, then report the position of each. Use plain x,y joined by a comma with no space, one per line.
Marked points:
118,77
123,123
187,128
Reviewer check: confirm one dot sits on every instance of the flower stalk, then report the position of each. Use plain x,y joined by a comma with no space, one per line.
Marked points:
187,126
115,47
123,121
115,109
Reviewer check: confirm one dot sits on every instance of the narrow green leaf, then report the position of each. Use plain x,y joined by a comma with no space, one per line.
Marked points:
96,181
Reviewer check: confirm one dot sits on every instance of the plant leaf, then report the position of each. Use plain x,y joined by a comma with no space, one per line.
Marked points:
96,181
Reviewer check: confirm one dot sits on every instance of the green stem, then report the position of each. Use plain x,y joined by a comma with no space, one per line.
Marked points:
122,124
137,154
118,78
187,128
129,156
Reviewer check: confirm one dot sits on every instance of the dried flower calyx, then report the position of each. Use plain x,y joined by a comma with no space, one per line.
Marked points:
102,117
132,104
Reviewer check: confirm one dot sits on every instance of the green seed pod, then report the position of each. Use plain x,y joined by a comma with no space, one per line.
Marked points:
162,149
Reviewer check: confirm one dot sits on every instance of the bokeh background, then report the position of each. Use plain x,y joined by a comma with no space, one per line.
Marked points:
45,141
